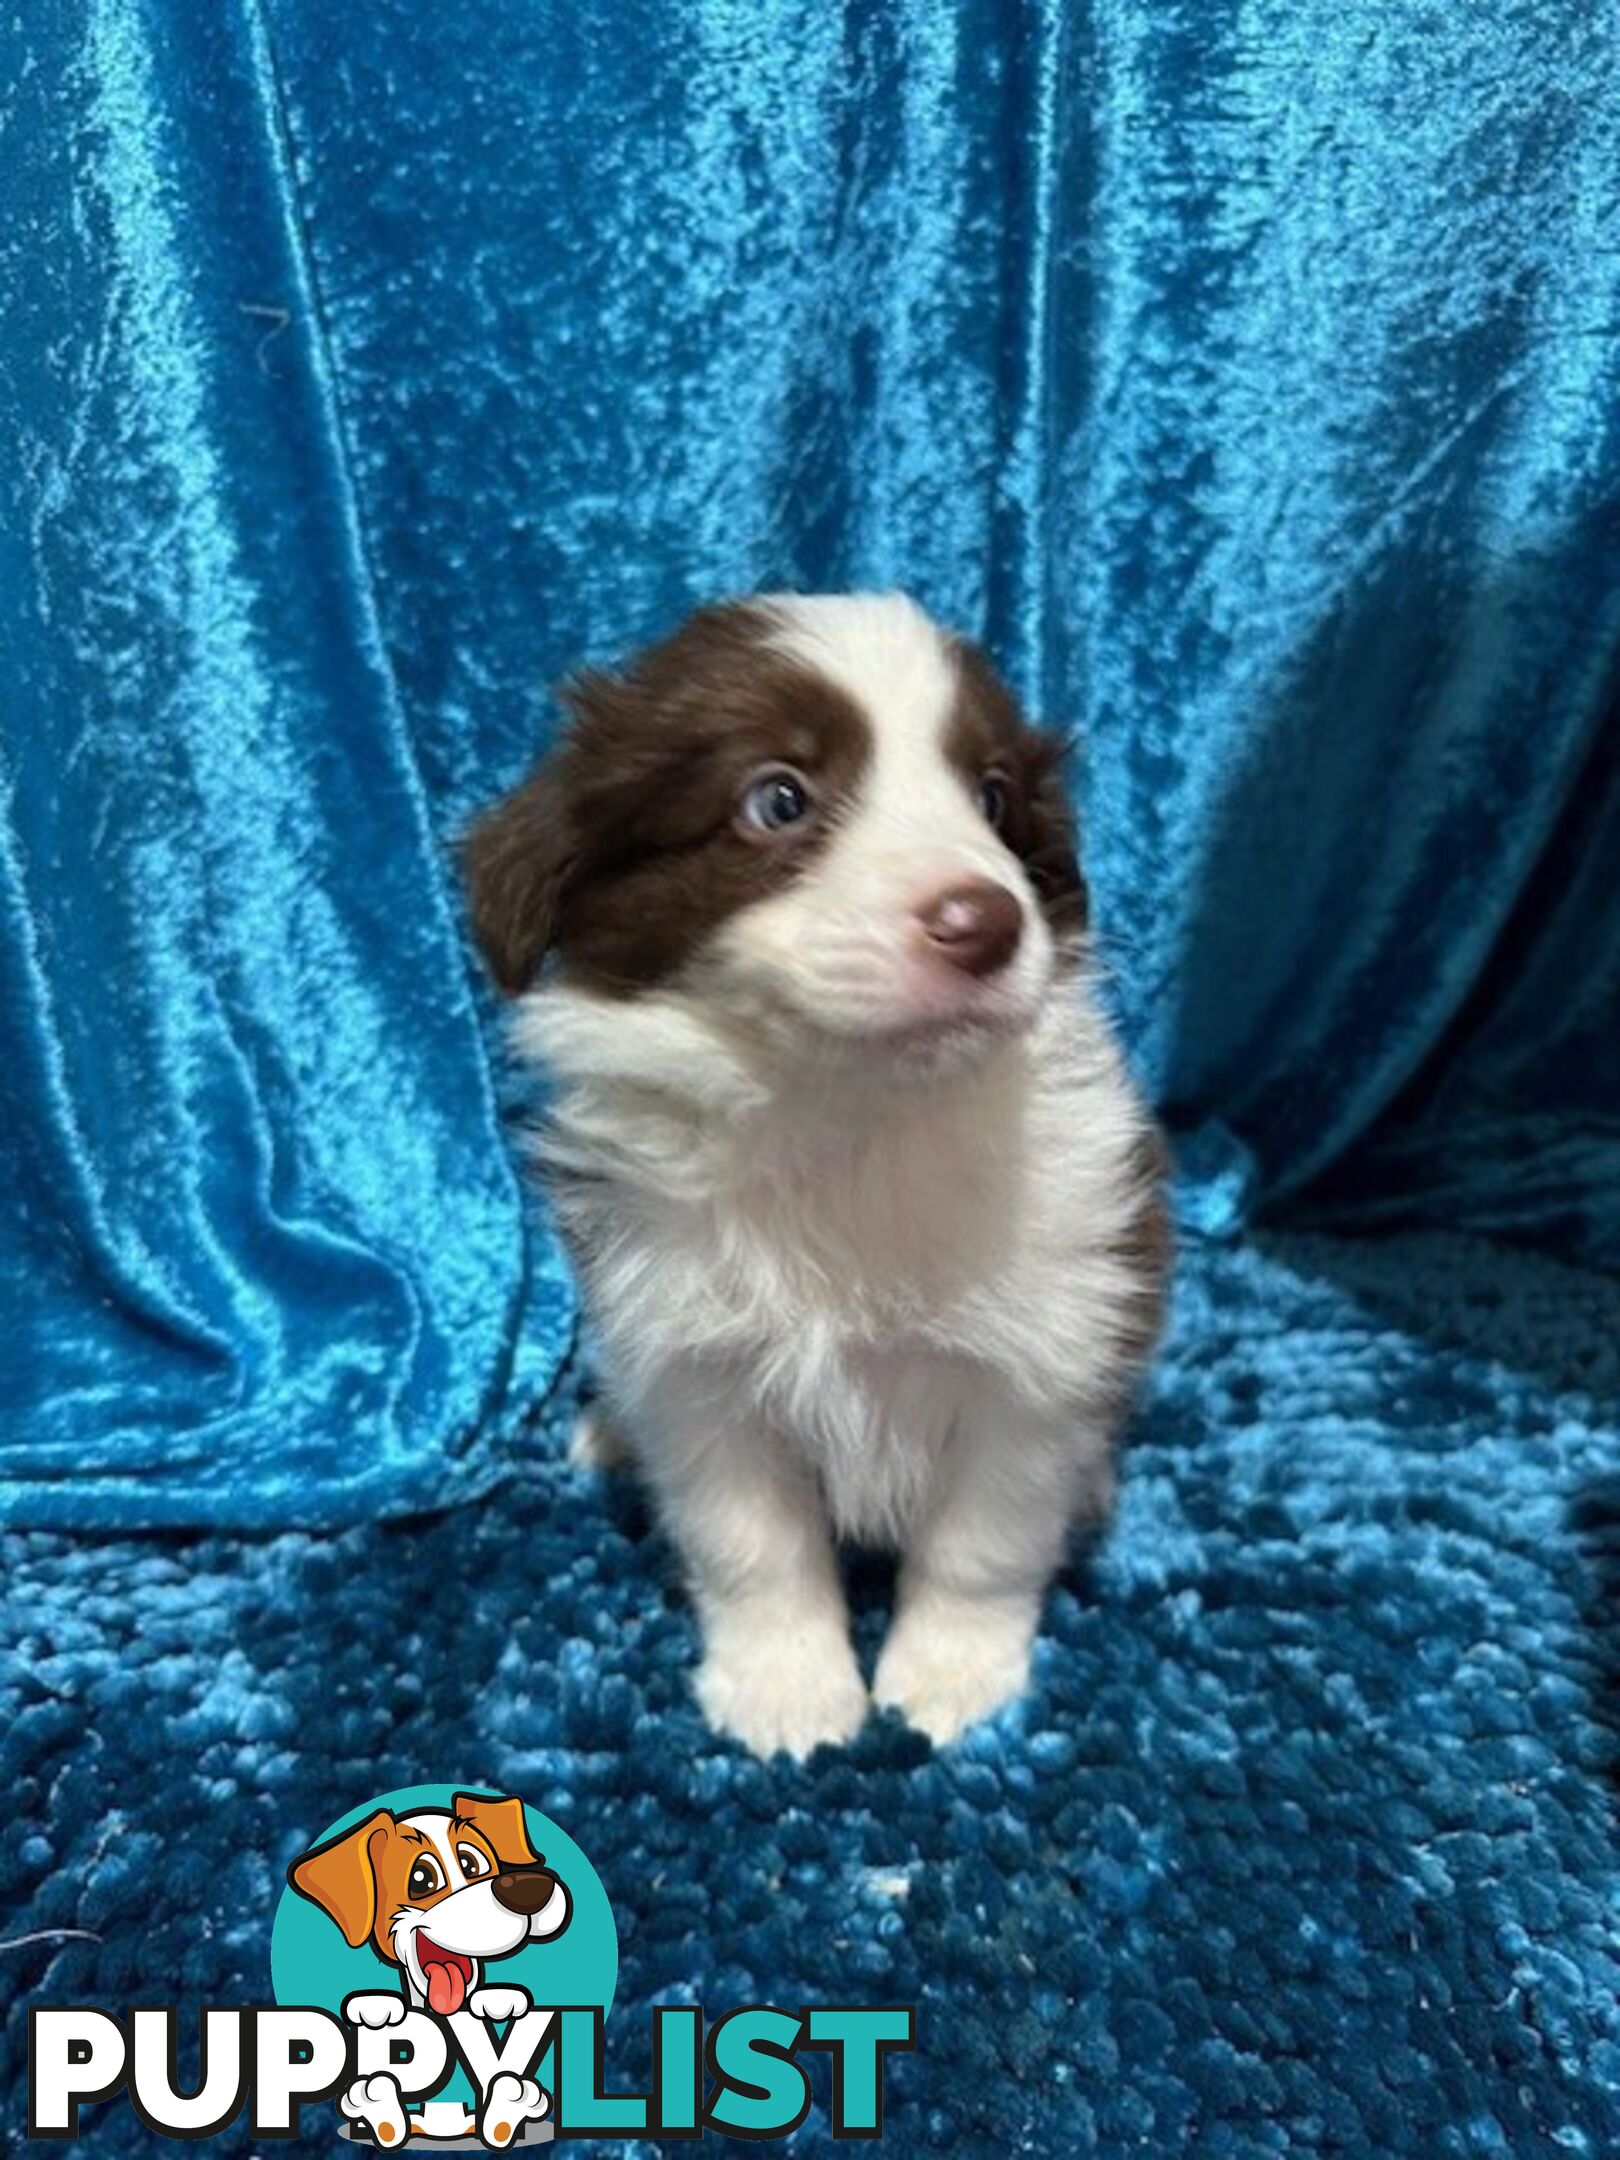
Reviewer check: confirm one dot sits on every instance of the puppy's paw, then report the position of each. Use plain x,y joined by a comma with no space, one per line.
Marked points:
374,2011
594,1445
782,1693
497,2004
945,1667
508,2105
375,2101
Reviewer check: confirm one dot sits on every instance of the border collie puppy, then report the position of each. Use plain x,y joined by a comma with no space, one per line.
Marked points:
865,1210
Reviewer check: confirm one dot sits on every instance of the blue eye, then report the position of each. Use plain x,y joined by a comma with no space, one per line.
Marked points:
993,800
775,799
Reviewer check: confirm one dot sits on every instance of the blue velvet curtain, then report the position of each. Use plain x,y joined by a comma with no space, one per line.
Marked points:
1245,371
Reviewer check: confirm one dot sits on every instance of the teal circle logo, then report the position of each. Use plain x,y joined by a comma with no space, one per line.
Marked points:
444,1899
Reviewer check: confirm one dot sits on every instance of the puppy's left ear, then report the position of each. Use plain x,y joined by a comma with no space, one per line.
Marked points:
501,1822
516,861
1052,856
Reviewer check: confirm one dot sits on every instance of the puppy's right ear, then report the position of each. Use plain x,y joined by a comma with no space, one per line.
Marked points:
516,862
340,1876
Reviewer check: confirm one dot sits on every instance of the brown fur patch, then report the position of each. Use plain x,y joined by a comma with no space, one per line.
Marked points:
622,851
987,733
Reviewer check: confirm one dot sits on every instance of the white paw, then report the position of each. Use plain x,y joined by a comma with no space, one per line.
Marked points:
374,2011
594,1445
375,2101
498,2004
782,1692
508,2105
946,1666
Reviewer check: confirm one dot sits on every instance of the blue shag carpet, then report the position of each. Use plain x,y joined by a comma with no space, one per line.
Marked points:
1304,1843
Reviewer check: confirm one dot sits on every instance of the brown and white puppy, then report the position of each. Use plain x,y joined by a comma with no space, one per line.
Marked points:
437,1893
865,1209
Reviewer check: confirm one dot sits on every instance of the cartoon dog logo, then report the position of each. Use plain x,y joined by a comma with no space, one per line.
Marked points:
438,1894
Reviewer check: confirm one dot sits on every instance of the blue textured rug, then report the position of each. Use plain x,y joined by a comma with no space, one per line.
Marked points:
1304,1843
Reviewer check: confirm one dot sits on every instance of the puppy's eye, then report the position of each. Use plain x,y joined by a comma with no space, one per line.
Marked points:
425,1877
993,800
473,1862
773,800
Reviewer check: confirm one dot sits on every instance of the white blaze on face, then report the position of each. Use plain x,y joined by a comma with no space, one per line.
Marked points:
442,1946
843,945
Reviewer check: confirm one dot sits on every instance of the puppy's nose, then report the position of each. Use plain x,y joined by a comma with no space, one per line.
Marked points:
524,1890
976,927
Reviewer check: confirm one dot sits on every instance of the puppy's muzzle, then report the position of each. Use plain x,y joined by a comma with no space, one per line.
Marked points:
524,1890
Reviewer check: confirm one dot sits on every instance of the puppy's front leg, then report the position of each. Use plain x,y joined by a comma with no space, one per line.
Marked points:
973,1578
778,1671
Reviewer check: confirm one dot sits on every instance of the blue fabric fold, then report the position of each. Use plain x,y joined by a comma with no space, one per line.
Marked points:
264,1251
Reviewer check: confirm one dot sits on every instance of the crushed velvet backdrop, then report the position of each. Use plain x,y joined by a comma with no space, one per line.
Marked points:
1246,373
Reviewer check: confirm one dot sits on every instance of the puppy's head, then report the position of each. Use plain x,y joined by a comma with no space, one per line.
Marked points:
826,817
436,1892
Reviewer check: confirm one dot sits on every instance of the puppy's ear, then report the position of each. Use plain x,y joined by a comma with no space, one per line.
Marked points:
501,1822
341,1879
1052,857
516,861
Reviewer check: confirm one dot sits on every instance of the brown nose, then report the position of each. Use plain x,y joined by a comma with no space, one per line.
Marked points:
975,927
524,1890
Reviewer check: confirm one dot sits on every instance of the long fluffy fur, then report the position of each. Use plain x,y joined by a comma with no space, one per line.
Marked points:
891,1288
858,1261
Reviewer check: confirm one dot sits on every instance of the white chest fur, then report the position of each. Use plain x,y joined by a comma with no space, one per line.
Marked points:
868,1270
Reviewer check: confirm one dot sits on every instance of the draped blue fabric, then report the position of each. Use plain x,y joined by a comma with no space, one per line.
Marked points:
1244,371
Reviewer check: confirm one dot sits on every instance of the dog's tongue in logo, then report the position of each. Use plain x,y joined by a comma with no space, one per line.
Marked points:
447,1974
